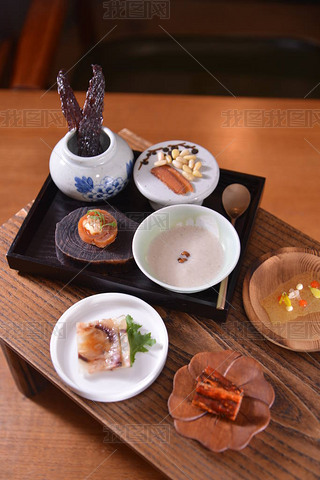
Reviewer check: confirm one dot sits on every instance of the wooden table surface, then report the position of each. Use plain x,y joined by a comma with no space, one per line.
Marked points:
288,448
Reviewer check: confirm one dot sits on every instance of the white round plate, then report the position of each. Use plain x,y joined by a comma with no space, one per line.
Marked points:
159,194
121,383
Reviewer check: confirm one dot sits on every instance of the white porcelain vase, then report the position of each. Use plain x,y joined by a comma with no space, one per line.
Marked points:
91,179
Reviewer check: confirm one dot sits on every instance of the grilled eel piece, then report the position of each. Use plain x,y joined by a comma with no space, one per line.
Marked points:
173,179
216,394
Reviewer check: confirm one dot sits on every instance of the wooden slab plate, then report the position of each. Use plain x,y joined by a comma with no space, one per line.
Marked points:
272,269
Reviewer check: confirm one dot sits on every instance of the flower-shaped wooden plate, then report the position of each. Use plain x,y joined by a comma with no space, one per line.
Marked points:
213,431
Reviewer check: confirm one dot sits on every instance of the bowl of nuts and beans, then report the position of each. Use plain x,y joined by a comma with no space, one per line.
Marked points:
175,172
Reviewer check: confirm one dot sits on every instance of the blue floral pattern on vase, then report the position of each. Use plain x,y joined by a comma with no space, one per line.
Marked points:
108,187
129,167
84,184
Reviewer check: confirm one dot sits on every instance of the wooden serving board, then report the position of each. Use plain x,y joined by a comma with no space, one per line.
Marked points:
288,448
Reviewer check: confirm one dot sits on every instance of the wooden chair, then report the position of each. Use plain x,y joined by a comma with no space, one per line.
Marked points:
36,45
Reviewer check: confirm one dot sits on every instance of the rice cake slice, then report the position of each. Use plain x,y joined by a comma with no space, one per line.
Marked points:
124,341
99,346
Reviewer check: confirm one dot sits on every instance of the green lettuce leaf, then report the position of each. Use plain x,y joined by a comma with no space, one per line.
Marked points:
137,341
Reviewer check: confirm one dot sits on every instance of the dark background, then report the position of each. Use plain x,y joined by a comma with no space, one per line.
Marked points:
257,48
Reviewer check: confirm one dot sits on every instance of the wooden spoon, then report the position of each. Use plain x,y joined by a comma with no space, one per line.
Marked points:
236,199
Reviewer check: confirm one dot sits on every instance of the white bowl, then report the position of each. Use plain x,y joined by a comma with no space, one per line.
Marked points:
180,215
158,194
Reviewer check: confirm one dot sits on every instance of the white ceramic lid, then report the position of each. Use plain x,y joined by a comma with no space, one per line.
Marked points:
156,191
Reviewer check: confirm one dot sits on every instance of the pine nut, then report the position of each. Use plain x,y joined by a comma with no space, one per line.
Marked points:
160,163
188,176
190,157
177,164
197,173
191,164
185,168
160,155
184,152
175,153
197,166
168,159
181,159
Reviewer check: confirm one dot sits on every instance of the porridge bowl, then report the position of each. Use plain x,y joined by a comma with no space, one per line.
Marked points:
186,248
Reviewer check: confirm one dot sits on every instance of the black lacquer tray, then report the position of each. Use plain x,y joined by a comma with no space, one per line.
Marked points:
33,250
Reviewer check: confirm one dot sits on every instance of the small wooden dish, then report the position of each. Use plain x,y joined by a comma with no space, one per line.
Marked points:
214,431
71,250
272,269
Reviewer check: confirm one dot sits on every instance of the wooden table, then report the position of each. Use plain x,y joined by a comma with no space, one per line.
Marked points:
287,449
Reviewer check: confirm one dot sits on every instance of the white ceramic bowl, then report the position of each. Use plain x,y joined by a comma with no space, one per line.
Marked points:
180,215
158,194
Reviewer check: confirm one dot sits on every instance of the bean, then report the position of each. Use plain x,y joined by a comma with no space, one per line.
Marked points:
175,153
184,152
197,173
185,168
188,176
159,163
181,159
177,164
182,260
